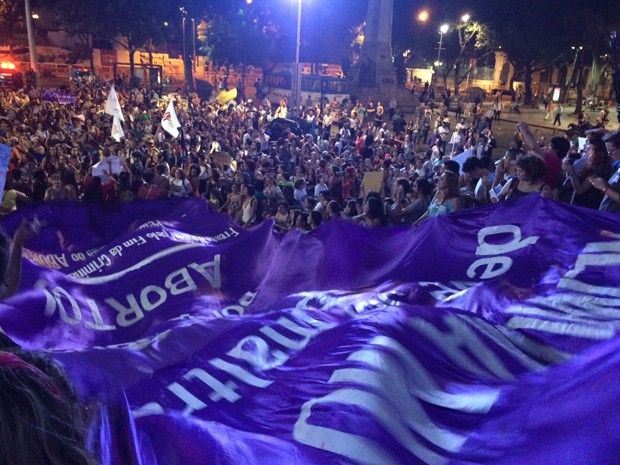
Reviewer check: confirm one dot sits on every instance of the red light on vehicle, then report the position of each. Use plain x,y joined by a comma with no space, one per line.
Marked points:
7,65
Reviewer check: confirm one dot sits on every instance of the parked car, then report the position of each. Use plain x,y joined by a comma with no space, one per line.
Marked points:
279,126
10,77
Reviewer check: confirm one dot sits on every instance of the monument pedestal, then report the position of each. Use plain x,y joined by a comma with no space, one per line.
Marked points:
374,76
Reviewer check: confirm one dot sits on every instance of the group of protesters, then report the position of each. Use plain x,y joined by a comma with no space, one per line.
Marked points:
358,161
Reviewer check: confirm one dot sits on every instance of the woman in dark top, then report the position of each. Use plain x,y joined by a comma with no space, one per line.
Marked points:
530,171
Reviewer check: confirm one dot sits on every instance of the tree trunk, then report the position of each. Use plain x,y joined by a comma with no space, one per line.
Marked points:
226,75
132,51
579,84
91,53
243,73
562,81
457,79
513,78
528,83
579,104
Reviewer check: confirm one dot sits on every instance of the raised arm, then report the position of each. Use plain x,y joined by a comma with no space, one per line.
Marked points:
529,139
13,271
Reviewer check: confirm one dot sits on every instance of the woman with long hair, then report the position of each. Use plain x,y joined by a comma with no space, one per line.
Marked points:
39,411
530,171
598,165
447,198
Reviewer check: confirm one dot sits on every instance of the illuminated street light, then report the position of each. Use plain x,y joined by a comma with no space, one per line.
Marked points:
423,16
35,16
465,17
442,30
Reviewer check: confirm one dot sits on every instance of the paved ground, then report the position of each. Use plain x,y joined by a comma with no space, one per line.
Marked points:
505,128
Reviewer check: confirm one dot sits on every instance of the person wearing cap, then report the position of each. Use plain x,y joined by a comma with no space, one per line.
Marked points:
611,187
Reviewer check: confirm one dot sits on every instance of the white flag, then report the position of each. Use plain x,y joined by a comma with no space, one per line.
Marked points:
170,122
112,107
117,129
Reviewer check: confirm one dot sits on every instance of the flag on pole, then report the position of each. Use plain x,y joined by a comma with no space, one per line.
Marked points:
112,106
117,129
170,122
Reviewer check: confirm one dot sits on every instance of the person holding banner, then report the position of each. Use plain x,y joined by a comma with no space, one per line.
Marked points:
11,260
447,198
610,188
529,180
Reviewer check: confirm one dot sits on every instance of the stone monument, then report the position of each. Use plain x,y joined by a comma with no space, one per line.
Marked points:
374,74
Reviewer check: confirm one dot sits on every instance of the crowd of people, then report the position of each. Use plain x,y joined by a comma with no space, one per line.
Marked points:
357,161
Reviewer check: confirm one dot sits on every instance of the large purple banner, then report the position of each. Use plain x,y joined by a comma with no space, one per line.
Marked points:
485,336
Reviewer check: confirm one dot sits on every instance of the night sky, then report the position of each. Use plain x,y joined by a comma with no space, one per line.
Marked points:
326,24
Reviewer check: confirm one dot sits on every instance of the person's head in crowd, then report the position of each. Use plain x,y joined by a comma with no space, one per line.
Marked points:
334,210
301,220
350,209
474,167
559,146
612,143
148,176
41,421
598,162
308,203
451,165
422,187
248,190
373,208
449,184
315,219
530,168
405,184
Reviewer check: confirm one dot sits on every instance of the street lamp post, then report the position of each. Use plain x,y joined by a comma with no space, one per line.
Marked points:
296,82
442,30
34,62
195,61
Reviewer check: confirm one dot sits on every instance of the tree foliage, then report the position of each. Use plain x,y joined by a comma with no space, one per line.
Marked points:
476,41
238,36
11,14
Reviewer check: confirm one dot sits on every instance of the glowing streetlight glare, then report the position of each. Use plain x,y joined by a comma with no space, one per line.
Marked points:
444,28
423,16
35,16
465,17
249,2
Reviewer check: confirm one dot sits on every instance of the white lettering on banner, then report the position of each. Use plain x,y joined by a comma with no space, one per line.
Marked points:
393,385
132,310
447,291
460,337
252,350
82,275
237,310
53,261
134,241
578,309
240,373
255,351
495,265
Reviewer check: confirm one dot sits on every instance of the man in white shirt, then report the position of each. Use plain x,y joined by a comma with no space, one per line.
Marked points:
321,186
